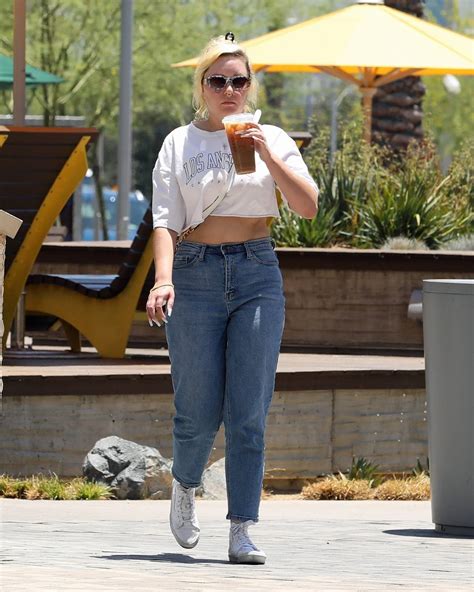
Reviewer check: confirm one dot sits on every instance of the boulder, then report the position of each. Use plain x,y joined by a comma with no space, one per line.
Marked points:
213,483
133,471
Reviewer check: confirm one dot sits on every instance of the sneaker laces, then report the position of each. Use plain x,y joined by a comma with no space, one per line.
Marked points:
185,504
240,536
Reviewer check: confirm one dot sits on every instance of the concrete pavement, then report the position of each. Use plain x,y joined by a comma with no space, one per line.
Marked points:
328,546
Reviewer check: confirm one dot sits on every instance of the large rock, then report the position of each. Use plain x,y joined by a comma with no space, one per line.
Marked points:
213,483
132,470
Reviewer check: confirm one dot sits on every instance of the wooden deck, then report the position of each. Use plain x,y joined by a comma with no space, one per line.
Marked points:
49,370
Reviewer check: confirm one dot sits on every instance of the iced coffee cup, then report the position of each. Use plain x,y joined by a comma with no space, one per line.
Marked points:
243,149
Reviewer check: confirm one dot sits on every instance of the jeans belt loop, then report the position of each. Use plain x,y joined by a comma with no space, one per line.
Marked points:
248,250
201,253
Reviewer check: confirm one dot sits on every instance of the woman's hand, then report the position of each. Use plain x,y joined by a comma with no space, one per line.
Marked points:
158,300
255,131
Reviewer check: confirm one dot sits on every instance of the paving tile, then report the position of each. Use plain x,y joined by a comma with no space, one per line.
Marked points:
118,546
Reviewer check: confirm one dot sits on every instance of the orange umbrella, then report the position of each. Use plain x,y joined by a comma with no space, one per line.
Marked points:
367,44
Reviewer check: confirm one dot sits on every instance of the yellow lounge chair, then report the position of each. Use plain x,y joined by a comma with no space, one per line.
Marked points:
100,307
39,170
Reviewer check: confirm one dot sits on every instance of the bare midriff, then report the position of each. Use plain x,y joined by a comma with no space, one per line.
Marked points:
229,229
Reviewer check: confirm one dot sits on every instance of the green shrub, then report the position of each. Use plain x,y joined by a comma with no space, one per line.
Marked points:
88,490
52,488
42,487
340,185
411,200
368,196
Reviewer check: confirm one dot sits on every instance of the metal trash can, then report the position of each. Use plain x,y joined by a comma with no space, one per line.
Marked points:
448,328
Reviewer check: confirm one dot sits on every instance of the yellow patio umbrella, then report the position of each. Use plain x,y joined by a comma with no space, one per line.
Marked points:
367,44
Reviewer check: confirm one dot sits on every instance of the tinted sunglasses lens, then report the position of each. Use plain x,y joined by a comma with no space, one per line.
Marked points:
220,82
240,82
217,82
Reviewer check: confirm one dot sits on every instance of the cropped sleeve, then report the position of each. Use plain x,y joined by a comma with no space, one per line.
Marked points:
167,202
286,148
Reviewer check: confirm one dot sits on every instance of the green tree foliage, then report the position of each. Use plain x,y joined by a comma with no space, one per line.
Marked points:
450,117
80,41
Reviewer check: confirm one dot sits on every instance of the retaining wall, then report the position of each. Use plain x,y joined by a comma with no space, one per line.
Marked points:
309,432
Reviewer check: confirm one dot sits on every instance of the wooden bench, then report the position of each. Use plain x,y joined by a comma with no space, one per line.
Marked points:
39,170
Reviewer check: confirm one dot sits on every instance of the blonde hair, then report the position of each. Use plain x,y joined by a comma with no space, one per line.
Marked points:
217,47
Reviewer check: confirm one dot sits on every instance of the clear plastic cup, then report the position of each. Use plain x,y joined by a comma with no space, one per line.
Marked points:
243,149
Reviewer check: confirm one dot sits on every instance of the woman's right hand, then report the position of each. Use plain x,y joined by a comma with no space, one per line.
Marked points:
158,299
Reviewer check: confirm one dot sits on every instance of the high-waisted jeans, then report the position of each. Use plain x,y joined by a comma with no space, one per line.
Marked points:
224,338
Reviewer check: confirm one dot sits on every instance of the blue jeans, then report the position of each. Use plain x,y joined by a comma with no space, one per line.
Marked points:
224,339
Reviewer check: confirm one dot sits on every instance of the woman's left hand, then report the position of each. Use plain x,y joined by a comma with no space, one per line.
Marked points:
255,131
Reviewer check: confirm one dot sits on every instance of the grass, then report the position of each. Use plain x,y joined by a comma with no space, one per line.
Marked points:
52,487
364,482
340,487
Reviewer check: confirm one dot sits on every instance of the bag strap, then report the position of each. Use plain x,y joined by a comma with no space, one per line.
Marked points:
210,208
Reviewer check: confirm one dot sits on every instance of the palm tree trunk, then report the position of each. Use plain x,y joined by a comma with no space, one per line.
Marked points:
397,115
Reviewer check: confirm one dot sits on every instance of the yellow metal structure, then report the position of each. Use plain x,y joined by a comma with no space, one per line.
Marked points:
3,139
66,182
105,322
366,44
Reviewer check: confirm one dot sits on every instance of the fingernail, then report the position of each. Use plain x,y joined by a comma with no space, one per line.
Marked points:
157,323
165,321
170,311
150,322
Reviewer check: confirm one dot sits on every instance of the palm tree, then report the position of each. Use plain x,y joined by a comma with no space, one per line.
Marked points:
397,114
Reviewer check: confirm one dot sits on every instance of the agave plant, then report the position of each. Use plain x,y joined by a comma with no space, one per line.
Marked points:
368,196
362,468
421,469
342,183
414,205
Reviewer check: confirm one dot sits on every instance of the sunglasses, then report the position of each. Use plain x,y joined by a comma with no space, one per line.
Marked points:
218,82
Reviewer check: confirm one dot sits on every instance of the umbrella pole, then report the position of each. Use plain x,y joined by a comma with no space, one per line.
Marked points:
368,93
19,116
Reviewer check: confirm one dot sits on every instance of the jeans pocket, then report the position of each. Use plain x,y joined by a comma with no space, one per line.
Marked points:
185,259
264,255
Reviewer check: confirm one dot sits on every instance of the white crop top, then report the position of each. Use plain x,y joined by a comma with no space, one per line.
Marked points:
193,168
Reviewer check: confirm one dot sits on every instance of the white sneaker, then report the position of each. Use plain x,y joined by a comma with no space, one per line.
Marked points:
241,548
183,520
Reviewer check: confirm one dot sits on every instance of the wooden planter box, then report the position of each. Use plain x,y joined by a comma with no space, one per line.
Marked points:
336,299
358,299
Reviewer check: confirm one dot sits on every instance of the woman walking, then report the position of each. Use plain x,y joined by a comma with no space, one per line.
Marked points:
220,294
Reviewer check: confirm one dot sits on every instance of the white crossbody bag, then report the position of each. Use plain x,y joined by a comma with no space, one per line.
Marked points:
210,208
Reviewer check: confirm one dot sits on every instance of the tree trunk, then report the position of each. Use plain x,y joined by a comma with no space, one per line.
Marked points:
397,114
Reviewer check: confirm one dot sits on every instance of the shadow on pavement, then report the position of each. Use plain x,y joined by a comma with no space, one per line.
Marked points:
165,557
424,533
